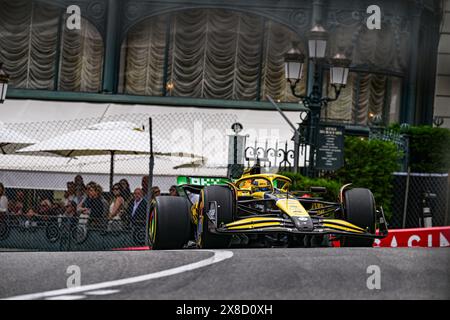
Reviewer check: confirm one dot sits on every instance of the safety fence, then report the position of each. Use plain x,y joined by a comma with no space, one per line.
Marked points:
86,184
415,191
64,233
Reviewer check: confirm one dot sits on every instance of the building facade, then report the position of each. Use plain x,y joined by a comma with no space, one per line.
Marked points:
216,54
442,99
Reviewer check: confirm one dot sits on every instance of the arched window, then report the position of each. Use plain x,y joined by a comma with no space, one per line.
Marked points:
39,52
366,95
207,53
81,59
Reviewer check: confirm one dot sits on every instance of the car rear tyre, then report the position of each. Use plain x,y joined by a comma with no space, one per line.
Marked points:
359,206
224,197
169,223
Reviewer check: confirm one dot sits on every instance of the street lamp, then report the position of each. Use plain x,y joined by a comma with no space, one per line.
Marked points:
294,60
339,69
317,42
4,79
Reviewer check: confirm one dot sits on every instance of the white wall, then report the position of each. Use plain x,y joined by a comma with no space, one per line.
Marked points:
258,124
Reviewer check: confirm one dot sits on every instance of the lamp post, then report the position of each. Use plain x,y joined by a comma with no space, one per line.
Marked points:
339,69
4,79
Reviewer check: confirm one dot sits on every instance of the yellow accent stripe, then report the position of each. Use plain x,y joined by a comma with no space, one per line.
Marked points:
342,223
334,226
256,225
252,220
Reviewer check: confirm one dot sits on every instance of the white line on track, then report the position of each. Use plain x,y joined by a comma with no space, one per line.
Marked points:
101,292
217,257
67,297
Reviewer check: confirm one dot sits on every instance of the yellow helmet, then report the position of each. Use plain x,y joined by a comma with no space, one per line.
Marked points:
261,185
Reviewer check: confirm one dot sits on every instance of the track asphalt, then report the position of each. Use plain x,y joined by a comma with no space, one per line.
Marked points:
307,273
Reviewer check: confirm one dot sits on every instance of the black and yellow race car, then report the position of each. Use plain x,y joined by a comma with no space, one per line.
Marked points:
258,210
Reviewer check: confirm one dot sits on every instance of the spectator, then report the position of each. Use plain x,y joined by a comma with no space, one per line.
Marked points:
95,206
58,208
156,192
79,182
173,191
118,204
137,211
70,193
3,200
17,204
43,211
70,215
125,186
126,192
80,195
70,209
144,184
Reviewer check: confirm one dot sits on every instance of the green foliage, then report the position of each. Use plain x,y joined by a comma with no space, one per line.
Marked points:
301,183
370,164
429,148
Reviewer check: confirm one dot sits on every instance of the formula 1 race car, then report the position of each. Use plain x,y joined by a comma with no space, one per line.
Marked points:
258,210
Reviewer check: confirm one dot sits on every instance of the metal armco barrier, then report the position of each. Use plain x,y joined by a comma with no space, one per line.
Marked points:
420,237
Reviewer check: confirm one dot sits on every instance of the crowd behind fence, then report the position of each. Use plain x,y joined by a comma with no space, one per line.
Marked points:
50,202
84,218
64,203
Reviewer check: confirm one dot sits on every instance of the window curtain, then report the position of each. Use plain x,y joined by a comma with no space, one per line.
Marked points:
81,59
29,36
364,95
371,98
28,39
341,110
144,56
216,54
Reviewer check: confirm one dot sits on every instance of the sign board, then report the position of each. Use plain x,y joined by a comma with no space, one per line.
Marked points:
420,237
434,237
202,181
330,147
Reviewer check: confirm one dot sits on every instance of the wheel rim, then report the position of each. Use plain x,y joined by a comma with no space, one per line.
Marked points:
153,218
201,219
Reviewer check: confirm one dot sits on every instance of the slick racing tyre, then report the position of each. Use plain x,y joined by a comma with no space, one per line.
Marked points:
169,225
359,207
224,197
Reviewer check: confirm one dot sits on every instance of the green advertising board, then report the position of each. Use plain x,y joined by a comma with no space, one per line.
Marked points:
202,181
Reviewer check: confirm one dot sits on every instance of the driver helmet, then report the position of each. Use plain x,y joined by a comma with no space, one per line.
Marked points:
261,185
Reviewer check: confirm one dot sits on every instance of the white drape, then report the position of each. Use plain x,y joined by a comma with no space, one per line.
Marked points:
29,36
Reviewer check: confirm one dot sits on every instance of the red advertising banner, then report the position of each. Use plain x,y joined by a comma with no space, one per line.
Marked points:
420,237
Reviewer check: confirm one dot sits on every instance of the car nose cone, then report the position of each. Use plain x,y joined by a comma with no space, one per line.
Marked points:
303,223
